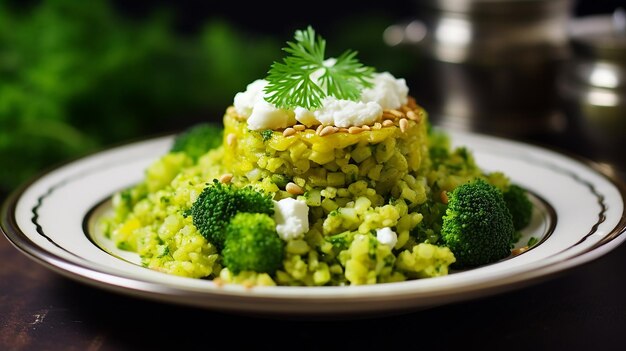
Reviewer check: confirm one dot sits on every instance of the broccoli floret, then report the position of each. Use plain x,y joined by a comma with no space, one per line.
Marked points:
477,226
519,205
252,244
218,203
198,140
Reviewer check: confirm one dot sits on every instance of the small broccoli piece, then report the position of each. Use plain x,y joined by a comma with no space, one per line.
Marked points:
477,226
218,203
198,140
519,205
252,244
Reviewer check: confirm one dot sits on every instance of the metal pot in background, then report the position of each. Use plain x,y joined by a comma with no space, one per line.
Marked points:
592,85
489,65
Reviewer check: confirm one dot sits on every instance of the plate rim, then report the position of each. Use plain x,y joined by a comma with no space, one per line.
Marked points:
156,291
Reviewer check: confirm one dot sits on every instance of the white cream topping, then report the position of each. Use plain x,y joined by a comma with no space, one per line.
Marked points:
244,101
387,93
266,116
292,218
341,113
386,236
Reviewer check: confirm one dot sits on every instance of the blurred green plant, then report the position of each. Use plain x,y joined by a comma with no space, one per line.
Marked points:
76,76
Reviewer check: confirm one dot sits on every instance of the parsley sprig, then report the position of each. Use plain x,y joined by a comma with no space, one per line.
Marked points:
290,83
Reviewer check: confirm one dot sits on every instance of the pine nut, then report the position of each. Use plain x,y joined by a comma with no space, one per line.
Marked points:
288,132
388,115
387,123
396,113
231,139
294,189
299,127
412,115
355,130
377,126
226,178
328,130
519,250
365,127
319,129
404,125
444,197
342,130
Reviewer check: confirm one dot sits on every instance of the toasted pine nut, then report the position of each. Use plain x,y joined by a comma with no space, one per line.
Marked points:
319,129
377,125
444,197
226,178
388,115
396,113
289,131
294,189
365,127
387,123
404,125
299,127
342,130
412,115
519,250
328,130
231,139
355,130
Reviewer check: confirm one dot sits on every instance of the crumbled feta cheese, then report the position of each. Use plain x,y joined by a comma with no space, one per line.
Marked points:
244,101
260,113
306,117
386,236
292,218
341,113
388,92
266,116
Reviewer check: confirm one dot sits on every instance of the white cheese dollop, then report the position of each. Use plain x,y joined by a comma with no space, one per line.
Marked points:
260,113
388,92
266,116
341,113
386,236
292,218
244,101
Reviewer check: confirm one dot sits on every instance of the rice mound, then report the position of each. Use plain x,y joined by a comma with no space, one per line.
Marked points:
353,182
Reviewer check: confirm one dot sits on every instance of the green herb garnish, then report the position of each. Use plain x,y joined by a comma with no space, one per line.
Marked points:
532,241
290,83
267,134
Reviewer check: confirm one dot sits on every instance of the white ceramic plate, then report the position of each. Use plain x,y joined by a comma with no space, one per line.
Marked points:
579,216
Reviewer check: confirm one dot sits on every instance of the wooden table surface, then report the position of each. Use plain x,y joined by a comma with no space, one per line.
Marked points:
583,308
